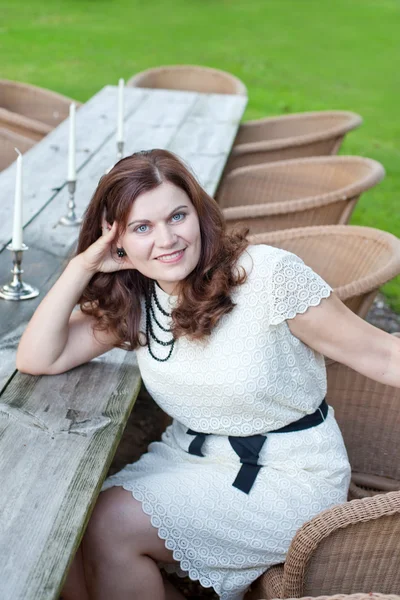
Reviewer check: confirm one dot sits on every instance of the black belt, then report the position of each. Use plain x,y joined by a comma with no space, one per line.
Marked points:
248,448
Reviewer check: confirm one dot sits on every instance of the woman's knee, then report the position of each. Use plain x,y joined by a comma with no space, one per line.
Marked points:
119,525
113,518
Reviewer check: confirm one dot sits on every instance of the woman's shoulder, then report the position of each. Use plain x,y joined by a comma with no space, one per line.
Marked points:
261,259
264,251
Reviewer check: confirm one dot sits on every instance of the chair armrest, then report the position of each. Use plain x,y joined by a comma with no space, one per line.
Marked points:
350,547
368,414
269,585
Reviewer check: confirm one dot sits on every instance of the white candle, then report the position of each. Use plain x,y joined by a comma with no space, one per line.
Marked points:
71,146
120,116
17,227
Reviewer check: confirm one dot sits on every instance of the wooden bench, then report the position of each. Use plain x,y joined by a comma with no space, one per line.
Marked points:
58,434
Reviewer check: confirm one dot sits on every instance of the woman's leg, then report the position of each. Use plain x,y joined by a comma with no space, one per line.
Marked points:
75,585
120,549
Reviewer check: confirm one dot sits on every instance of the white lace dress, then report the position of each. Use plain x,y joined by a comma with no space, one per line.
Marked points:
250,377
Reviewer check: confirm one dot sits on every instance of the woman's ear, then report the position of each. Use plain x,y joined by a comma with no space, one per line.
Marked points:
105,226
118,240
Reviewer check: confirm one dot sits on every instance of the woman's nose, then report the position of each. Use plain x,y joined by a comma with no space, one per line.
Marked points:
166,237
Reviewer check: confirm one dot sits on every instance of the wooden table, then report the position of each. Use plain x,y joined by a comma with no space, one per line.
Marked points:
58,433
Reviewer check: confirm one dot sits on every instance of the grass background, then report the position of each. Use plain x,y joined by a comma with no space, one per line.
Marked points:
293,55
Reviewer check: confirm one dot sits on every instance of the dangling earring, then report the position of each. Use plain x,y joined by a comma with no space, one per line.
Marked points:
121,252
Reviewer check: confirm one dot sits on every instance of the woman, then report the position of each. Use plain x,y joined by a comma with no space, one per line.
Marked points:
230,341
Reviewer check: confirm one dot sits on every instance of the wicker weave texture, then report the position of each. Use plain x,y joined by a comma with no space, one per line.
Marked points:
268,585
359,565
193,78
35,130
34,102
354,260
10,140
296,193
368,414
291,136
345,549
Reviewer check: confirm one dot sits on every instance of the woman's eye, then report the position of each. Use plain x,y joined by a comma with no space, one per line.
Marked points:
178,217
141,228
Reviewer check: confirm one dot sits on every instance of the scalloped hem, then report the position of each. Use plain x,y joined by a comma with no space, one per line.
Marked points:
192,573
300,311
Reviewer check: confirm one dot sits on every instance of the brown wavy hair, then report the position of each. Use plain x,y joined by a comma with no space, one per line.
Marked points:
114,299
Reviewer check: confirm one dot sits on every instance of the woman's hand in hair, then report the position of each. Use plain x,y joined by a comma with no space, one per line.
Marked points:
102,257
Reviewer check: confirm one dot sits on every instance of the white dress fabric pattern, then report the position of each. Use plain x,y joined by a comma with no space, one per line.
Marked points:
250,377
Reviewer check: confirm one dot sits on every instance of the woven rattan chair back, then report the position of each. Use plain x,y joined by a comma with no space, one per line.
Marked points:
193,78
10,140
35,130
296,193
291,136
45,109
354,260
351,547
368,414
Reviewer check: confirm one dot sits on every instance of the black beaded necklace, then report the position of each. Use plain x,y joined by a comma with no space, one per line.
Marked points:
150,313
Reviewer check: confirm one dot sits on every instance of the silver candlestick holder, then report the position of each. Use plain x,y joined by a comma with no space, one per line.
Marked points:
120,150
70,219
17,289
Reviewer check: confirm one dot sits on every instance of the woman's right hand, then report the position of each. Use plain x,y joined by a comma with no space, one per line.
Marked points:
102,257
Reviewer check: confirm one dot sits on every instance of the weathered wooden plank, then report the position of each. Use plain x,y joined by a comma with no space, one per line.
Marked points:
58,434
219,108
207,169
211,125
80,416
198,137
163,107
45,165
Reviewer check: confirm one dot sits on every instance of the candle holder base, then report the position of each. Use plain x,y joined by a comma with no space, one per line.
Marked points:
70,219
24,291
17,289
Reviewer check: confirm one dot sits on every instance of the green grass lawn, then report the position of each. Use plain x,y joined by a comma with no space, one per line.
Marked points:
293,55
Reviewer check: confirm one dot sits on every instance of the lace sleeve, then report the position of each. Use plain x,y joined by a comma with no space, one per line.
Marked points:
294,287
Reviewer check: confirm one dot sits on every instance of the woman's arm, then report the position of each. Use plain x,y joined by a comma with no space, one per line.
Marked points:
57,340
336,332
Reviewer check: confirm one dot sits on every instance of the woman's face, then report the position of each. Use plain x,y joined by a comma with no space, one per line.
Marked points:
162,237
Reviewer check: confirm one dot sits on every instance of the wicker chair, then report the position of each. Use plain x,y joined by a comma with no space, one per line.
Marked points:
29,110
348,548
21,125
193,78
8,142
353,546
290,136
354,260
368,414
306,191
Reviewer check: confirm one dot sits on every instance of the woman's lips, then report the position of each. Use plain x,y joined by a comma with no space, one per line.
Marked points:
171,258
